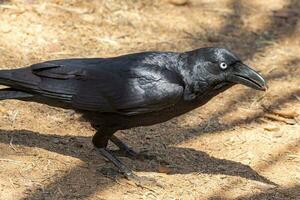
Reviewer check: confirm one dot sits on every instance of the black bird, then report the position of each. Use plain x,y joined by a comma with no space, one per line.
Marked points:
132,90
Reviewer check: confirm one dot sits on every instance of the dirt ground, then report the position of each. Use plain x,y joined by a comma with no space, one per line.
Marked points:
243,144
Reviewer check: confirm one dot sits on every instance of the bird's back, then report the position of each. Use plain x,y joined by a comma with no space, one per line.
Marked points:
129,84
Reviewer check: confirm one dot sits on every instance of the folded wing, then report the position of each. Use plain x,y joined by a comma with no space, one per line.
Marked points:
88,86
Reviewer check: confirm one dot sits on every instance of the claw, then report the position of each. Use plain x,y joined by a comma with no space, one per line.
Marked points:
124,148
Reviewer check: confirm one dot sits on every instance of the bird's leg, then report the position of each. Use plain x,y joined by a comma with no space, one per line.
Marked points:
124,147
141,181
100,141
129,151
123,168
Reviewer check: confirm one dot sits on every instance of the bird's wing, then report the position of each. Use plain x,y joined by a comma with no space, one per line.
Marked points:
129,92
57,81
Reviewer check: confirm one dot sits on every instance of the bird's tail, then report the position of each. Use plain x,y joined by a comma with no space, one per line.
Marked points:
10,93
21,83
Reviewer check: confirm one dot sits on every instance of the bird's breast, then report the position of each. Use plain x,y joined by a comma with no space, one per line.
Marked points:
147,119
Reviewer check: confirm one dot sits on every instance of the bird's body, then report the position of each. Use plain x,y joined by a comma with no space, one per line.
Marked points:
120,93
128,91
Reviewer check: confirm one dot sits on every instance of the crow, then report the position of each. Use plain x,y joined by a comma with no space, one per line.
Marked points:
127,91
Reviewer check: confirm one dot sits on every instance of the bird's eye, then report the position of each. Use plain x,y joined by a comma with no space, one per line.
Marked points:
223,65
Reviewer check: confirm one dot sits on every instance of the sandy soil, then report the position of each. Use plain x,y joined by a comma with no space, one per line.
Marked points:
243,144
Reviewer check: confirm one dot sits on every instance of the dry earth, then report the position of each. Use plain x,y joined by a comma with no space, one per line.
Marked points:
243,144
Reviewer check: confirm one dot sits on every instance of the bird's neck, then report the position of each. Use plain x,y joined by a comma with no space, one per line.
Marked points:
192,86
195,85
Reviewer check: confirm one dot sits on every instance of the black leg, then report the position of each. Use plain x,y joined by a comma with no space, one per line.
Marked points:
123,169
124,147
100,141
141,181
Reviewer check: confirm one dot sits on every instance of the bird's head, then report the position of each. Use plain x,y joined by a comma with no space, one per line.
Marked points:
219,67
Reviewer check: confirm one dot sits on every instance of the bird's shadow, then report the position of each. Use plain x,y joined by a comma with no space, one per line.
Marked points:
182,161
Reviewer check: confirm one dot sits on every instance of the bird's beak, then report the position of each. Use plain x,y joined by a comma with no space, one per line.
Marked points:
243,74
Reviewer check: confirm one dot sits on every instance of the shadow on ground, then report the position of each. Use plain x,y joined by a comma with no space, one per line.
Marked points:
284,193
195,161
182,161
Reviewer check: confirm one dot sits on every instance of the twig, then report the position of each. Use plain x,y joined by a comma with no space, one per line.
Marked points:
14,115
72,9
11,144
12,184
59,190
279,119
9,7
9,160
286,114
257,101
46,166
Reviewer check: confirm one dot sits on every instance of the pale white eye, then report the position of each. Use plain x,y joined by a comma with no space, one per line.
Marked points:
223,65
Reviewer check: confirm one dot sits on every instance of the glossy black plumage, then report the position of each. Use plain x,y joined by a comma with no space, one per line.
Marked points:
131,90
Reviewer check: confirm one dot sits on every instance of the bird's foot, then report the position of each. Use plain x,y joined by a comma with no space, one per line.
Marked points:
134,155
131,153
125,150
127,172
